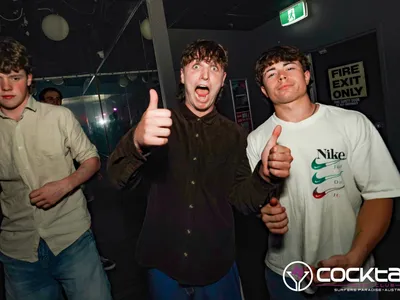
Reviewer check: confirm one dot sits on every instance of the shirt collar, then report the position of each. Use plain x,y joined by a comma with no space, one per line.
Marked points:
31,105
190,116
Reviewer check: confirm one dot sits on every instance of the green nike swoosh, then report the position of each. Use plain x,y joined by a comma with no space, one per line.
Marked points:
317,166
317,180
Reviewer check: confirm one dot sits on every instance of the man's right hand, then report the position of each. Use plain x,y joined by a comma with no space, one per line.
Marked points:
274,216
154,127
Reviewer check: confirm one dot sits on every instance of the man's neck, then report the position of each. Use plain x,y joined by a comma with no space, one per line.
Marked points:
16,113
296,111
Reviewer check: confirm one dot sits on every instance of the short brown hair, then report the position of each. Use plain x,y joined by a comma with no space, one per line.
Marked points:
13,56
205,50
278,54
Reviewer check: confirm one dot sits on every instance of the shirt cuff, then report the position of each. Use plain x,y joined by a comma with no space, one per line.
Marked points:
272,188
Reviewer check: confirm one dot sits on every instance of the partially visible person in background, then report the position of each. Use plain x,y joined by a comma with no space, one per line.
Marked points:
51,95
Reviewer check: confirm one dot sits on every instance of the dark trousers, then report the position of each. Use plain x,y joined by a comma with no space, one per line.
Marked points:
251,247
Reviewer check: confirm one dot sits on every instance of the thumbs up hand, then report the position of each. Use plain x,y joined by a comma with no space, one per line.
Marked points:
276,159
154,127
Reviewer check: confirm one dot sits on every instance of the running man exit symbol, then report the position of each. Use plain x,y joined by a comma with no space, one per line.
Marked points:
291,14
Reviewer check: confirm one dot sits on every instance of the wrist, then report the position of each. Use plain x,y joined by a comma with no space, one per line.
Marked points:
67,185
357,256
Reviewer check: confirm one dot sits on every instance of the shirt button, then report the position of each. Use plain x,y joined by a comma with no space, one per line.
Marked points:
197,135
20,147
193,182
191,206
185,254
194,158
188,231
198,119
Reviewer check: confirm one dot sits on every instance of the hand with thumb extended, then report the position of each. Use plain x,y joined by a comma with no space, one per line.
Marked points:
154,126
276,159
274,216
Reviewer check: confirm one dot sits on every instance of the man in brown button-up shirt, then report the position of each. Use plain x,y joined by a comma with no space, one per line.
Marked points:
196,162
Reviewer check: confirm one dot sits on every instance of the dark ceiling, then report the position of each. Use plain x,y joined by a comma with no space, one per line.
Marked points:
222,14
94,25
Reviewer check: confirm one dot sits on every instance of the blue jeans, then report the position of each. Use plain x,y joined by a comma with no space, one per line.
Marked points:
163,287
77,269
278,290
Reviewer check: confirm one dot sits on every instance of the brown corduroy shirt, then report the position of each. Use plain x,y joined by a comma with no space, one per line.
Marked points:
188,232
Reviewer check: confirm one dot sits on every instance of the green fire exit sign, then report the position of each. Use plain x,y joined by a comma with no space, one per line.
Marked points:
294,13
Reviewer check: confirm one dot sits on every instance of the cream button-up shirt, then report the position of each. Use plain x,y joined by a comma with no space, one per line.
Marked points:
38,149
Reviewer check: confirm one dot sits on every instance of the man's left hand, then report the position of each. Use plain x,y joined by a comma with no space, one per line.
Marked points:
337,261
276,159
49,194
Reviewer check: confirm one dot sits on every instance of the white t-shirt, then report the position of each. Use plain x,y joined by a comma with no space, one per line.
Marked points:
338,159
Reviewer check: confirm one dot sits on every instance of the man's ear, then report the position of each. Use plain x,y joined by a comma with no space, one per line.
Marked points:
307,76
29,81
264,91
182,77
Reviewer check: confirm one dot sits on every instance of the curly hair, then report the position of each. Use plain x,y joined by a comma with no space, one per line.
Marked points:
278,54
13,56
205,50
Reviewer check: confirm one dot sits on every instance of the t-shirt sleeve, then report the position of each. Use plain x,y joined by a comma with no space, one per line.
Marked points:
252,153
375,172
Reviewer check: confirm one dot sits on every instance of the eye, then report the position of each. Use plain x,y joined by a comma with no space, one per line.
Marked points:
269,75
196,66
215,68
16,78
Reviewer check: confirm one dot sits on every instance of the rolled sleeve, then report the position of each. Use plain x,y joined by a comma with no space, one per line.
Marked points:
77,141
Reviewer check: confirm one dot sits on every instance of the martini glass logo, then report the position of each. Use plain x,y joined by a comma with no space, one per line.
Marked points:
301,275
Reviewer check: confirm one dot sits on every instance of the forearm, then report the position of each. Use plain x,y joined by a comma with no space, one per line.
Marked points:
85,171
251,191
372,223
124,162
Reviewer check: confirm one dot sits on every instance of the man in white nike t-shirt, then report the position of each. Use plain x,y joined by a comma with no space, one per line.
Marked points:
337,202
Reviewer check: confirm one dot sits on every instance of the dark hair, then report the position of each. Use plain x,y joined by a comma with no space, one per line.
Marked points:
204,50
278,54
49,89
13,56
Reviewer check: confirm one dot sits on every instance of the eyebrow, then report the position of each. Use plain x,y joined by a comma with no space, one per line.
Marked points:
14,75
284,64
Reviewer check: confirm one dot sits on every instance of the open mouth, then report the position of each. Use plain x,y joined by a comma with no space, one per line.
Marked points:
202,91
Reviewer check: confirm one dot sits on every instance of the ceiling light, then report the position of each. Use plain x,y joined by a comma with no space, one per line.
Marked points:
55,27
123,81
145,29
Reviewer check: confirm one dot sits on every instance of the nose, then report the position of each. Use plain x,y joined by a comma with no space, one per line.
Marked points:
282,76
205,74
5,84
